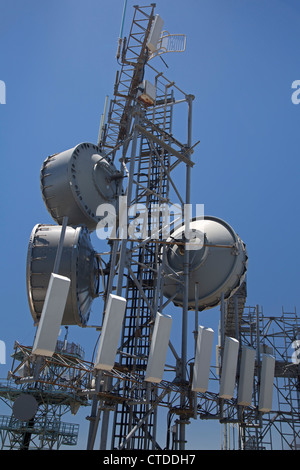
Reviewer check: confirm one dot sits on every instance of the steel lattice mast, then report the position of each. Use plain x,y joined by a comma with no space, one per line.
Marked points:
154,153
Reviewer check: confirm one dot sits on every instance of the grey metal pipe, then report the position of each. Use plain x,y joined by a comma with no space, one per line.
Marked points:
186,274
60,245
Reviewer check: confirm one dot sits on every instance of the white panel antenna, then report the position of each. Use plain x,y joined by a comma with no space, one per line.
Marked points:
202,359
52,314
158,349
110,333
155,32
266,383
245,388
229,365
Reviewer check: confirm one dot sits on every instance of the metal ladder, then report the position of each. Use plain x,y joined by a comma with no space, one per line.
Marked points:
151,187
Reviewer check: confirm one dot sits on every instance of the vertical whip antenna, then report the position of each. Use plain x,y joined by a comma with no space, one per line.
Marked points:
121,30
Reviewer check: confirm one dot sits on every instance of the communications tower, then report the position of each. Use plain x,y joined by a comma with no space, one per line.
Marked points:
133,189
145,266
126,187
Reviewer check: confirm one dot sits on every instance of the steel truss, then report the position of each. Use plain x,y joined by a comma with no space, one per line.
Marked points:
137,263
247,428
59,387
276,335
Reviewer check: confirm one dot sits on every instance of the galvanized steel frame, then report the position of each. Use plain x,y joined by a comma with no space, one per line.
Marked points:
59,387
154,154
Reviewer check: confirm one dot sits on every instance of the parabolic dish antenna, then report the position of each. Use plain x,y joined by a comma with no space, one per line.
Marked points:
78,262
25,407
74,183
218,266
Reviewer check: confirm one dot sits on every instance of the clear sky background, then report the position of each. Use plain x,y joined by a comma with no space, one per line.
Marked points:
57,60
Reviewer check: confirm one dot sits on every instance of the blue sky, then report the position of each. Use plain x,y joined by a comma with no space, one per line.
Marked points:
57,60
